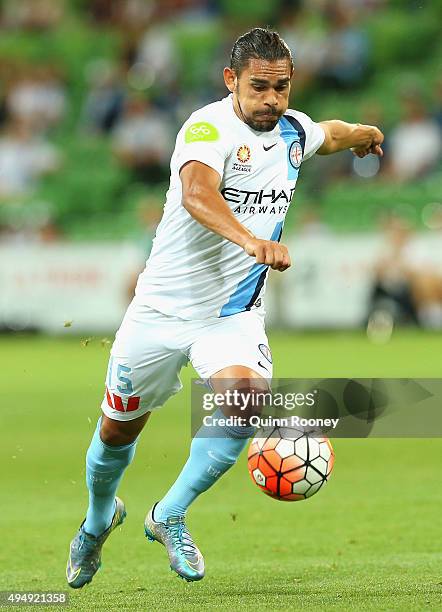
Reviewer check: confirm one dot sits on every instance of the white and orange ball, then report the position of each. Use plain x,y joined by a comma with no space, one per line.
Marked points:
289,464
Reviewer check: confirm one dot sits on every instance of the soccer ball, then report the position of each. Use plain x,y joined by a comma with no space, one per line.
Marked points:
288,463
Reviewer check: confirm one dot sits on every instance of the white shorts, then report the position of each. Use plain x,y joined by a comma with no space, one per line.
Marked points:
150,349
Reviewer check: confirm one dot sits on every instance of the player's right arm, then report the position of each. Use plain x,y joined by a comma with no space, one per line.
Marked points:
204,202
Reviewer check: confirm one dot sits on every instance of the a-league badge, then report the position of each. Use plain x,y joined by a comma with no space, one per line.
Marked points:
295,154
243,154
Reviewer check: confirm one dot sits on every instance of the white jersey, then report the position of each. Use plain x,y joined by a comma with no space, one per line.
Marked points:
193,273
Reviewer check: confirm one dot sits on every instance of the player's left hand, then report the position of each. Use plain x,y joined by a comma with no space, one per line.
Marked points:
374,140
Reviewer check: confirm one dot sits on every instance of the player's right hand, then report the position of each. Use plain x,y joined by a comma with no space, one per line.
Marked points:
268,252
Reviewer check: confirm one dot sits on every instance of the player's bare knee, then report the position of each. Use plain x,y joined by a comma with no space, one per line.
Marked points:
114,437
121,433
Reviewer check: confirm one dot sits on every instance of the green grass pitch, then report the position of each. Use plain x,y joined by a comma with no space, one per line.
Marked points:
371,540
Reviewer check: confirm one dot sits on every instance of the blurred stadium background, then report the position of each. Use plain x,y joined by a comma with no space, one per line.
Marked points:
93,92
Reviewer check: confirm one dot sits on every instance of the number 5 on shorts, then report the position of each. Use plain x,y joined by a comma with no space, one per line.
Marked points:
126,385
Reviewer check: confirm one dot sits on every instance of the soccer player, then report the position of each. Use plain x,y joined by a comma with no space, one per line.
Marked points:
200,297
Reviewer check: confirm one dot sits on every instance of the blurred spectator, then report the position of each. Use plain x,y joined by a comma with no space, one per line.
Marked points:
37,97
105,99
212,79
133,15
32,14
101,11
307,44
28,220
23,159
346,50
415,143
142,141
392,289
405,285
28,231
157,51
49,232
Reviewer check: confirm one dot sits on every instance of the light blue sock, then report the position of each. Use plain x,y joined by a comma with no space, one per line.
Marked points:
105,466
210,458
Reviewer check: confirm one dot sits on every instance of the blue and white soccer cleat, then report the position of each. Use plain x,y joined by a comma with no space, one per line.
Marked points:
85,551
184,556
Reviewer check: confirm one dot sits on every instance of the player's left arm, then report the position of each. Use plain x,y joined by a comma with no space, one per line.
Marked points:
361,139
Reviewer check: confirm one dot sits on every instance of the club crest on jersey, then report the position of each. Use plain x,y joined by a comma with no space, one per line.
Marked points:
243,154
295,154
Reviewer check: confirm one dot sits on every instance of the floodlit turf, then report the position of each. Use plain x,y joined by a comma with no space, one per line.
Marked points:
371,540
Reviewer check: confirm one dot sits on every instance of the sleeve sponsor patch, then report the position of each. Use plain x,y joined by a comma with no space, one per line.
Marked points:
201,131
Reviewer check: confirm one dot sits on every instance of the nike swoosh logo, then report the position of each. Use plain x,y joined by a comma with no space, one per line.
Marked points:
193,564
70,574
260,364
268,148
